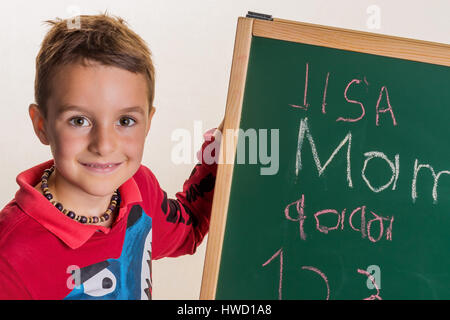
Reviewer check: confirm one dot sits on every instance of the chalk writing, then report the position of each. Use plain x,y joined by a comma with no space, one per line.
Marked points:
383,92
361,220
417,167
280,283
375,271
385,223
363,111
325,229
305,132
395,170
371,278
321,274
300,215
305,103
389,108
324,103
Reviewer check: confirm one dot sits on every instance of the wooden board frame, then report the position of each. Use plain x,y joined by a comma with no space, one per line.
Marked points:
338,38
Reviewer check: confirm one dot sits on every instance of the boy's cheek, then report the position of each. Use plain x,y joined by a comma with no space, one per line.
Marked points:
65,146
134,151
134,142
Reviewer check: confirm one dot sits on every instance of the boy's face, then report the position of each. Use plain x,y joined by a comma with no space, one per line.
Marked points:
97,121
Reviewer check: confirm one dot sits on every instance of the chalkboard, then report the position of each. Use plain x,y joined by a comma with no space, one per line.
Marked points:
357,203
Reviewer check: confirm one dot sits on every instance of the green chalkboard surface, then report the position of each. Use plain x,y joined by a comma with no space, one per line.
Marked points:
351,199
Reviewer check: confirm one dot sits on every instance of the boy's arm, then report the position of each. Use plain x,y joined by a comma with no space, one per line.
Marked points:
179,225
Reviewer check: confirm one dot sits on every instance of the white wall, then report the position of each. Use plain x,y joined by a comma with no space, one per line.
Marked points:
192,44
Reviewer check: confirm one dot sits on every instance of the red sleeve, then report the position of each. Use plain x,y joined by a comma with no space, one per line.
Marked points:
179,225
11,287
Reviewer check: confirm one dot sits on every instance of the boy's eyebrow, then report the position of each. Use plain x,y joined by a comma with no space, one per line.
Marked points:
69,107
134,109
66,108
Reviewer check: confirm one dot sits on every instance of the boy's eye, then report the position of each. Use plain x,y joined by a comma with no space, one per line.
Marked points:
79,122
126,122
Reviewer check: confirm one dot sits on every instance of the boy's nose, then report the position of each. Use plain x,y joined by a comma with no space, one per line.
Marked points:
103,141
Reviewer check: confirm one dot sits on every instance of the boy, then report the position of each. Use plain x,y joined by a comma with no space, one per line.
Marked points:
86,224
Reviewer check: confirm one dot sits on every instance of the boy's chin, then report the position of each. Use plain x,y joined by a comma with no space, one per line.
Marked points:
101,186
99,190
104,186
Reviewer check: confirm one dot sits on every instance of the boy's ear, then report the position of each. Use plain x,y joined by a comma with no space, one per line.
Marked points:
38,123
150,116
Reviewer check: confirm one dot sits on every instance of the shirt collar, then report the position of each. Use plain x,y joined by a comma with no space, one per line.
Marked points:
71,232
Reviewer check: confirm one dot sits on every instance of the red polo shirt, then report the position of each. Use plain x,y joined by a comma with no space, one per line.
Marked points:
46,255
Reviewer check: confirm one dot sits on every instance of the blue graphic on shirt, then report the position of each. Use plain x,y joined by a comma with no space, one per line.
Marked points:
126,278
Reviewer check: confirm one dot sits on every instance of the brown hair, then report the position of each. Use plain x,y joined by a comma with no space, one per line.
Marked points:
100,38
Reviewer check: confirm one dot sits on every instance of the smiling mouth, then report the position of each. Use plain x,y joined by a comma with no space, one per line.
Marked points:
101,167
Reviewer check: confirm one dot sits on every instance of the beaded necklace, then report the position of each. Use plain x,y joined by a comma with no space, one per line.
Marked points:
115,200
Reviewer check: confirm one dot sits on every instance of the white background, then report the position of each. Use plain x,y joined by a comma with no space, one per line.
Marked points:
192,44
